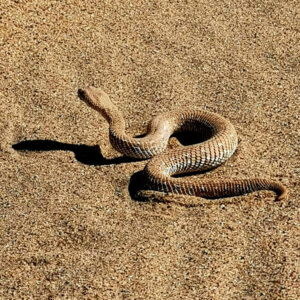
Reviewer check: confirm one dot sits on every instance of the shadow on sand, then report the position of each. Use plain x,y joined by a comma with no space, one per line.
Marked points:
91,155
88,155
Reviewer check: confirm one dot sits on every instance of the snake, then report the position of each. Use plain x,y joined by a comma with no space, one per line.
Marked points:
163,165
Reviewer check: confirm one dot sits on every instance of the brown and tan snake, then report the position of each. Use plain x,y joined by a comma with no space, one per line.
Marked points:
162,165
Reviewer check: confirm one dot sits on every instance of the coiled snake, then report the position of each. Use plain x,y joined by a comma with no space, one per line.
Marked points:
162,165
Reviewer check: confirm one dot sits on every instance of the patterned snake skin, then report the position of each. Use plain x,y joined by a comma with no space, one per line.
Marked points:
203,156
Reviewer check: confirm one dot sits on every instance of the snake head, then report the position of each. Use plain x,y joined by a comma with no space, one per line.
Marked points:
94,97
97,99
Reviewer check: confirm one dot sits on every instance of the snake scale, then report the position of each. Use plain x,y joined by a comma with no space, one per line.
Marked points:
198,157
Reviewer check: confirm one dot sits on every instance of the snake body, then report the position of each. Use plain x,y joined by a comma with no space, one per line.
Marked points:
162,165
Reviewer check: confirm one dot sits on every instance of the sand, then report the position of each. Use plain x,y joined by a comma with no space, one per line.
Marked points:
69,228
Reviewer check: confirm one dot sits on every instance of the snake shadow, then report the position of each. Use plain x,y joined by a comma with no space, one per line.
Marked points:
88,155
91,155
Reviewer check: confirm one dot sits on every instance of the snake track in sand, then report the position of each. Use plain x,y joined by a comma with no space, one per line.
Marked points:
162,165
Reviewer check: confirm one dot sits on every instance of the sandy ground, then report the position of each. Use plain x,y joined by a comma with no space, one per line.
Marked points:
68,226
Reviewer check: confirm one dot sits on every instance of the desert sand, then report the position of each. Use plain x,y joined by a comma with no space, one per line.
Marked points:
69,227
